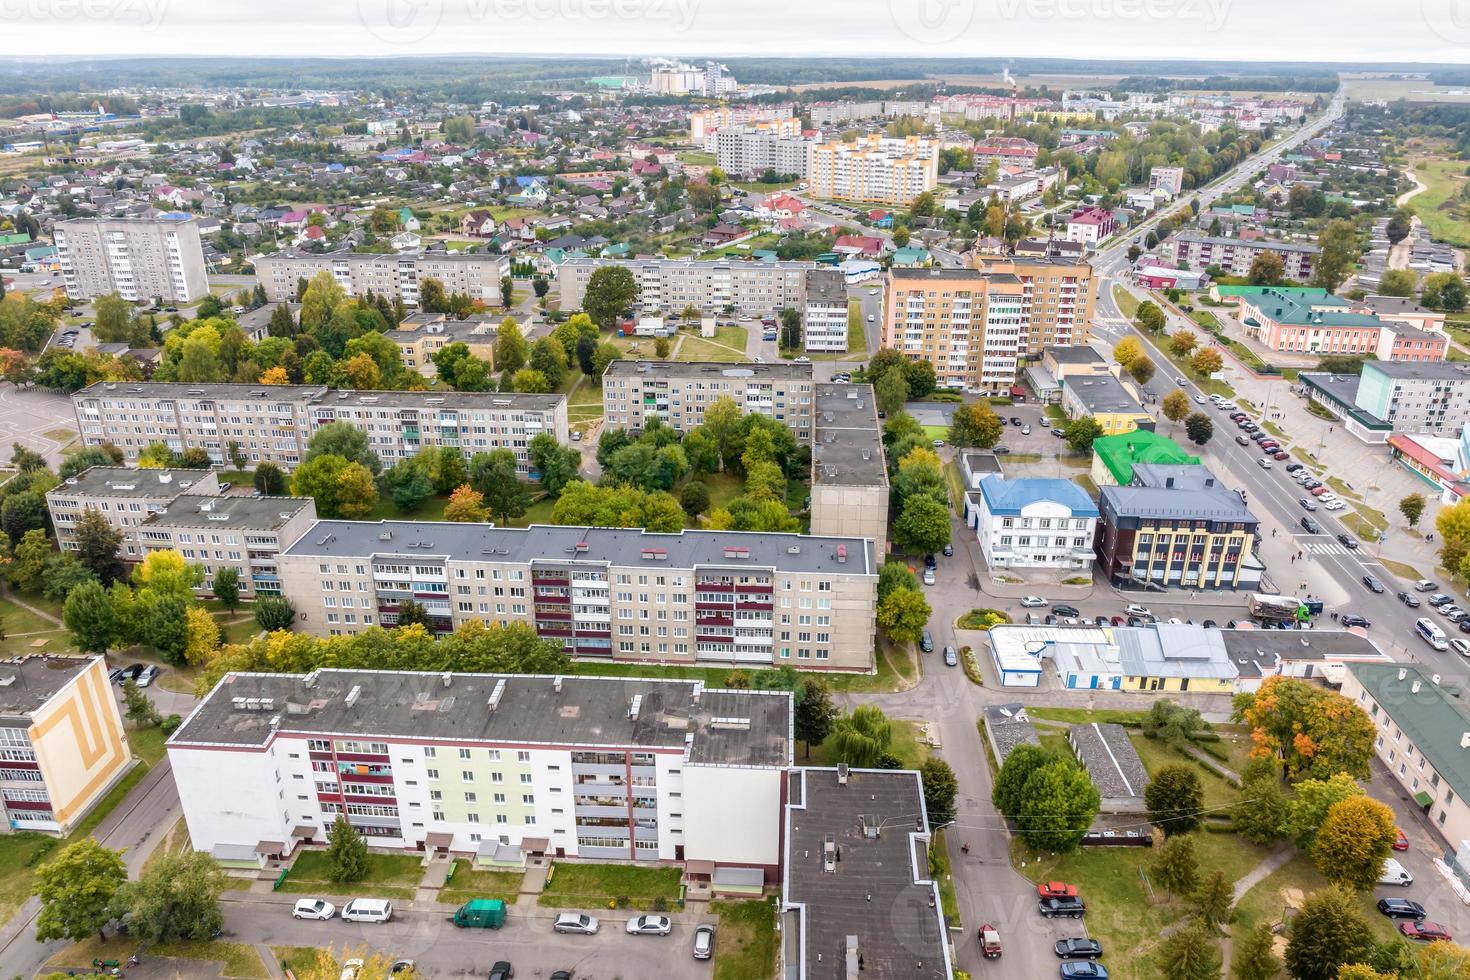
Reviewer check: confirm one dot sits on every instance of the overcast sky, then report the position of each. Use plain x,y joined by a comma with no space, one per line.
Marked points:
1266,30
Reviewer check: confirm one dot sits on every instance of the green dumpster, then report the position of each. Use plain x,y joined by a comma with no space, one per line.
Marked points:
481,913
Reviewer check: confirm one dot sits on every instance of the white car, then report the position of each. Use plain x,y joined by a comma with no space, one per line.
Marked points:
650,925
350,969
576,922
1264,463
1462,647
1199,399
1033,602
313,908
1134,609
1334,505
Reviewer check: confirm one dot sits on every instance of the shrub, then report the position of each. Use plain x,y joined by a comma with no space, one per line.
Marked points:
983,619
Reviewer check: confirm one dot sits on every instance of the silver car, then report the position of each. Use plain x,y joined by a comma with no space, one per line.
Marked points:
577,923
704,942
650,925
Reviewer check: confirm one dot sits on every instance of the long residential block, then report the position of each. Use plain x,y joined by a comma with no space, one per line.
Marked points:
672,285
140,259
621,594
243,533
678,392
494,766
1235,255
275,422
395,276
849,468
125,497
873,169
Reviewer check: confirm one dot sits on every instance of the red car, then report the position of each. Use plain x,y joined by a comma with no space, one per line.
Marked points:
1402,843
1056,889
1430,932
1278,455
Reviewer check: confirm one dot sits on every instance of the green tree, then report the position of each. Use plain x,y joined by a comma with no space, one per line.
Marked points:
347,852
1058,804
138,709
859,738
1260,813
974,424
1199,428
1399,282
610,292
114,319
1142,369
550,358
411,613
1338,251
1173,723
1010,783
903,614
507,290
1353,842
511,349
1400,223
1190,954
940,789
269,479
340,488
1080,433
1267,269
923,526
814,715
28,565
345,440
1327,933
557,464
77,889
1150,317
1255,955
1412,507
408,484
1444,291
890,392
529,381
1307,811
1175,866
88,616
1213,905
694,498
1175,406
449,469
227,587
1175,797
22,511
494,475
274,613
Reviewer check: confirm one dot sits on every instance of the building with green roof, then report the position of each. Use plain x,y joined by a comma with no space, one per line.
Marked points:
1423,740
1234,293
1113,457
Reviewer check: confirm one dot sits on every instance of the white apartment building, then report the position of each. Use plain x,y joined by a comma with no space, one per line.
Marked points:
703,122
497,767
678,392
1170,179
275,422
395,276
670,285
125,497
873,169
755,148
824,328
618,594
140,259
1035,522
243,533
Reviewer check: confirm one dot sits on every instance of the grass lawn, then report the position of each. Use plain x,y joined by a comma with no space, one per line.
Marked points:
1127,302
1401,569
745,940
469,883
236,632
857,337
80,955
940,869
295,958
699,349
537,513
936,431
1293,882
389,876
1156,755
723,488
596,885
905,745
239,959
17,620
740,250
147,743
756,187
60,435
431,508
1078,716
1446,220
1205,319
695,158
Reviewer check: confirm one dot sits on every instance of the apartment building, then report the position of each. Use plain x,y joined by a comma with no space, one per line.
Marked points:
849,469
125,497
275,422
422,335
61,741
873,169
1058,295
671,285
824,327
1177,527
395,276
243,533
1170,179
752,149
703,122
965,322
620,594
1090,226
489,766
140,259
1235,255
678,392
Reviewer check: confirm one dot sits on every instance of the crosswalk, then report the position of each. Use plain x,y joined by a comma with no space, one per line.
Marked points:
1329,548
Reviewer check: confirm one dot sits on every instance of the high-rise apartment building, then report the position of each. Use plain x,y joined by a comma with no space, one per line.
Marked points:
873,169
1058,296
824,328
757,147
140,259
678,392
275,422
671,285
965,322
394,276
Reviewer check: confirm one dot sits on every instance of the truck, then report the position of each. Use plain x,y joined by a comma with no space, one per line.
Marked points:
480,913
1279,608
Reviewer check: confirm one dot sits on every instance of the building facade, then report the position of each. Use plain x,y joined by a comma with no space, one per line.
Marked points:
671,285
752,149
394,276
243,533
1389,397
125,497
873,169
1033,522
64,744
1235,255
1058,296
620,594
1091,225
489,765
422,335
824,328
966,323
275,422
140,259
1320,323
678,392
1170,179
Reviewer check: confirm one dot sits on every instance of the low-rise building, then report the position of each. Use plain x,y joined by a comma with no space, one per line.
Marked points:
422,335
1110,402
1091,225
678,392
125,497
1399,309
1235,255
1113,457
602,768
1033,523
849,486
1177,527
1112,763
63,737
1006,727
825,323
1330,325
243,533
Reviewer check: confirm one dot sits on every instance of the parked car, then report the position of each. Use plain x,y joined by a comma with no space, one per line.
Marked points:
1424,585
1372,582
704,941
1280,455
1294,467
1078,948
1055,889
1134,609
1353,619
351,968
926,642
1400,908
948,549
650,925
1033,602
1439,599
1334,505
951,657
1064,610
313,908
1401,843
1071,907
502,970
577,923
1084,970
148,675
1409,599
1462,647
1430,932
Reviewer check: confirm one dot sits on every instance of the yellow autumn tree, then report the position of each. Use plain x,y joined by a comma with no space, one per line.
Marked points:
201,636
274,376
466,505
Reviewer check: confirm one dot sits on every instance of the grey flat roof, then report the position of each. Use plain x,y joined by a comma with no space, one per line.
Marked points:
937,272
981,462
1251,243
604,545
826,286
1216,503
1110,760
243,513
746,728
217,392
481,400
26,683
1416,370
1254,652
441,327
1393,304
875,893
711,370
319,395
121,481
419,256
1101,393
1075,354
848,447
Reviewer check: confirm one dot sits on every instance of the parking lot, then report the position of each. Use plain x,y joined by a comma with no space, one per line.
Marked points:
27,414
1013,438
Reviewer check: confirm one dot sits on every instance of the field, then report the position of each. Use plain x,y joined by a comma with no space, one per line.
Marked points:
1412,90
1443,212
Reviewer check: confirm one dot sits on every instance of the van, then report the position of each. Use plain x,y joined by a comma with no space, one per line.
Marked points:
1431,634
1395,874
367,910
481,913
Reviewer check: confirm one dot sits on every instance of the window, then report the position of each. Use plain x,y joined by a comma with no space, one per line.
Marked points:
467,776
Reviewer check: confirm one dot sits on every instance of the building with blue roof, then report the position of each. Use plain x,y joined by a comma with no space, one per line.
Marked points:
1033,522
